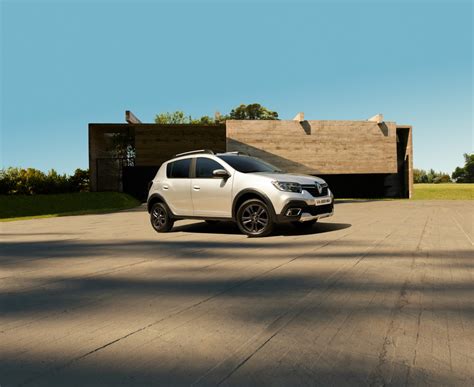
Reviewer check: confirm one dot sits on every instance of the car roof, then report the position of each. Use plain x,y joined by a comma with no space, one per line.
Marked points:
192,156
205,153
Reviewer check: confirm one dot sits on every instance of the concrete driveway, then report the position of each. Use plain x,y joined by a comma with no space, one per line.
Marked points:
382,293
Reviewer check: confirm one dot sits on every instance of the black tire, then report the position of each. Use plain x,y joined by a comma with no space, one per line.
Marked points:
209,221
160,217
304,225
254,218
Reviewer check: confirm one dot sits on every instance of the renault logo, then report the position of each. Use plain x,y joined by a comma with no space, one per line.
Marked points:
318,186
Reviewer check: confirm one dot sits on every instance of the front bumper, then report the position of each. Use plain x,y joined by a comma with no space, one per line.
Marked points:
308,212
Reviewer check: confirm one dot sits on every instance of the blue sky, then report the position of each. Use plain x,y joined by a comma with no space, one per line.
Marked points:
67,63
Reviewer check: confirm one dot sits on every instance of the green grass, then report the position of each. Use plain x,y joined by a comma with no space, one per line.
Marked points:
451,191
15,207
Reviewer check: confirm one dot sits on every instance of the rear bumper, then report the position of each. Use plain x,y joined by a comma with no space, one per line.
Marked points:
307,213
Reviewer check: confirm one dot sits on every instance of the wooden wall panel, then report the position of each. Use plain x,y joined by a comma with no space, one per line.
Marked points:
318,147
313,147
157,143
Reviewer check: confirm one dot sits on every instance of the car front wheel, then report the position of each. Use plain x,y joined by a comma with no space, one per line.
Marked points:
160,218
254,218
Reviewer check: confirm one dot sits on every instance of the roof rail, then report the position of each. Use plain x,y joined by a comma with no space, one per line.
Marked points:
208,151
236,153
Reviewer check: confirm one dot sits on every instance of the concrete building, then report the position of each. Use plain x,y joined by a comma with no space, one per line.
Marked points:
371,158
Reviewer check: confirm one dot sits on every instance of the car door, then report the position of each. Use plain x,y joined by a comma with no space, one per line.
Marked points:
211,196
176,188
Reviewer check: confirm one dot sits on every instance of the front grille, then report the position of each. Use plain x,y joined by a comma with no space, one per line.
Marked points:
314,191
318,210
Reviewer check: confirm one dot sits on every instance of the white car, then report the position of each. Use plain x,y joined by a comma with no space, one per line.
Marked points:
235,186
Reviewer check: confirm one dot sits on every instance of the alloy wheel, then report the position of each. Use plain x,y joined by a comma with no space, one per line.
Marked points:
159,217
255,218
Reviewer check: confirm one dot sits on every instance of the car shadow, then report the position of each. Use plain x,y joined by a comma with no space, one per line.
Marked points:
280,229
346,201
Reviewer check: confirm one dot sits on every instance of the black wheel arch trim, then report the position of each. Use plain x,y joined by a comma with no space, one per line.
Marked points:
261,195
151,200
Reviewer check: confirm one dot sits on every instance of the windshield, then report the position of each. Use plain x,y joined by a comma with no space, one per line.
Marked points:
247,164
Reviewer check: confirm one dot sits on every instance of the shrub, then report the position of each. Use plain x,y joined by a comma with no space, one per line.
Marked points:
30,181
421,176
443,178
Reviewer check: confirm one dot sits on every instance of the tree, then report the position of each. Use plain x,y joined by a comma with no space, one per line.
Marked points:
253,111
431,175
421,176
30,181
122,146
177,117
80,180
204,120
465,174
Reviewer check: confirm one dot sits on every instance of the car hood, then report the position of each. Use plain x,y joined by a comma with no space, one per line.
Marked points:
292,177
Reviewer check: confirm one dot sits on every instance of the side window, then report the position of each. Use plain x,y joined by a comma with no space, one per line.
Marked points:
205,167
178,169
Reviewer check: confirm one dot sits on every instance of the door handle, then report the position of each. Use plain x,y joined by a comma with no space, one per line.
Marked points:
196,187
165,186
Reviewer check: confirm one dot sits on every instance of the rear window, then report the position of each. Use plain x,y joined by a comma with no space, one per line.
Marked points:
178,169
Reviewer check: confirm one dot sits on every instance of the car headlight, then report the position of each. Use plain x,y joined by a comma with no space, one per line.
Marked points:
287,186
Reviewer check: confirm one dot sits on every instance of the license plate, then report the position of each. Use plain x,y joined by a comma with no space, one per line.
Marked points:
322,201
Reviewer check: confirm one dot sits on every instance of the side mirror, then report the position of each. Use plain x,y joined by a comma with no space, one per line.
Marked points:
220,173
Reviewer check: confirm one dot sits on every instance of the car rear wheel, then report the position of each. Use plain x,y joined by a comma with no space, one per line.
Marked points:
160,217
254,218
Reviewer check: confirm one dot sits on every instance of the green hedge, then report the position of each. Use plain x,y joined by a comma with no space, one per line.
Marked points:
30,181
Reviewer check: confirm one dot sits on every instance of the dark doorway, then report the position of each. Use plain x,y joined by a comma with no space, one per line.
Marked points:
403,161
135,180
357,185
